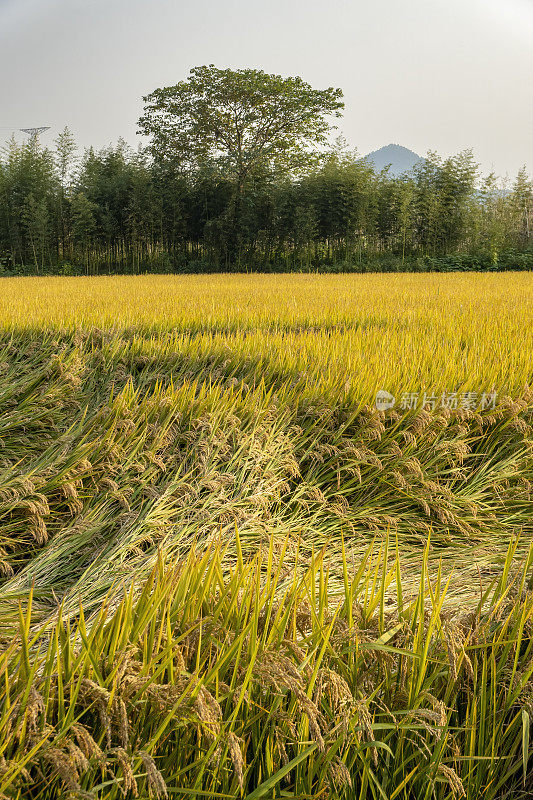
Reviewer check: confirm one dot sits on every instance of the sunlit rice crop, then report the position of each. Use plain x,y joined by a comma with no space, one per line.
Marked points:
337,599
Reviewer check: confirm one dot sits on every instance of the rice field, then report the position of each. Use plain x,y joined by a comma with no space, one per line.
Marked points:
226,573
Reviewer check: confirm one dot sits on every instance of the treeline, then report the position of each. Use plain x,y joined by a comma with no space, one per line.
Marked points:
120,210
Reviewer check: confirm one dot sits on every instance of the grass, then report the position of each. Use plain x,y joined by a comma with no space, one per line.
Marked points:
226,573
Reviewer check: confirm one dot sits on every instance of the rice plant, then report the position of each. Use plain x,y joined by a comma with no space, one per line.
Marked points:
218,679
225,572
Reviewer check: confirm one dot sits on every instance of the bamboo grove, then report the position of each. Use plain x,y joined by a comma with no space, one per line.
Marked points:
120,210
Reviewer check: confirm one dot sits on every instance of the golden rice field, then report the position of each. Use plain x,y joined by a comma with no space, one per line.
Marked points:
226,573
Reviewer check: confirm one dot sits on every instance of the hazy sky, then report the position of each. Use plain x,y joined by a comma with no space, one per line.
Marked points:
428,74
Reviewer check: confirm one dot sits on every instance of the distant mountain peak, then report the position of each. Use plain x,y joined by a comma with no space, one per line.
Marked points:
400,159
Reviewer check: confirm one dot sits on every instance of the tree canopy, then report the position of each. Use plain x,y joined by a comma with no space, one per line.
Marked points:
239,119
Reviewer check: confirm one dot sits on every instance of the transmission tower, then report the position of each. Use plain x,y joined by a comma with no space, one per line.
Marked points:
35,132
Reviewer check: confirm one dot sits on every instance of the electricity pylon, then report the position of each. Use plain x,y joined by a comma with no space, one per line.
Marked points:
34,132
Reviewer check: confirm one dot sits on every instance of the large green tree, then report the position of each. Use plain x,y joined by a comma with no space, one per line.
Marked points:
241,119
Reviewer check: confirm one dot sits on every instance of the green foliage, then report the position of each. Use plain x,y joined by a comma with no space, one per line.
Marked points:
269,198
240,120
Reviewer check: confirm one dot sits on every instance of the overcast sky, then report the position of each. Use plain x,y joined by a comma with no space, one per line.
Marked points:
428,74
